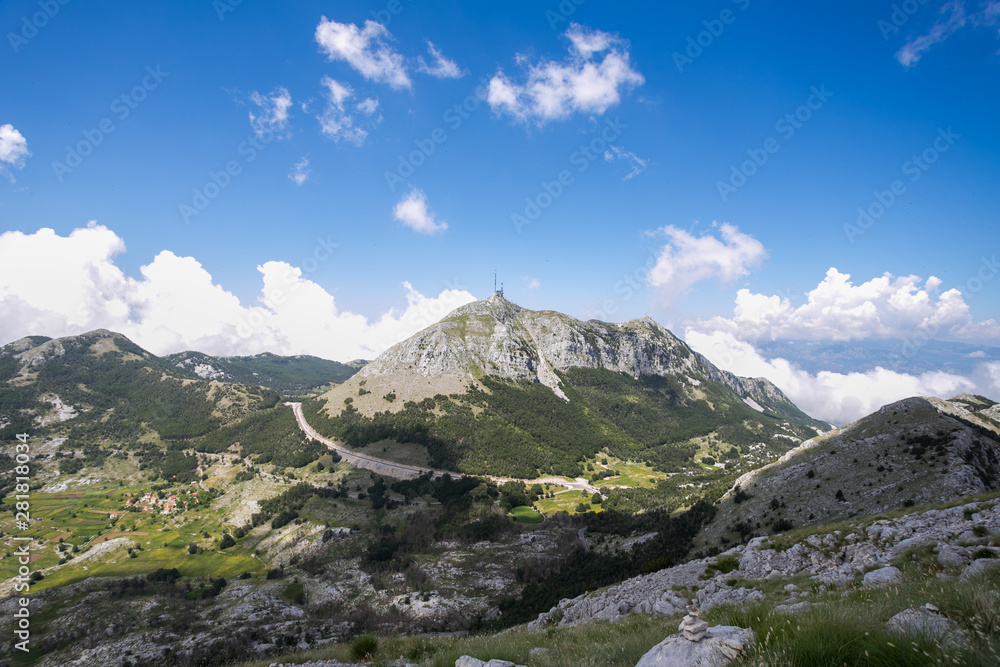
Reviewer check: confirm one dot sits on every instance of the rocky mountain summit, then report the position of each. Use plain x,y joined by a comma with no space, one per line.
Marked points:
495,337
497,389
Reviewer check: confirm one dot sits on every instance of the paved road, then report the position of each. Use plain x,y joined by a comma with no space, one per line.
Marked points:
402,471
583,540
381,466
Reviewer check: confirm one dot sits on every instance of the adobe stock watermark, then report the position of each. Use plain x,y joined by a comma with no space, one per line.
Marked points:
714,27
625,289
786,127
121,108
899,16
223,7
454,117
562,13
31,25
289,282
581,158
217,181
392,8
22,517
914,168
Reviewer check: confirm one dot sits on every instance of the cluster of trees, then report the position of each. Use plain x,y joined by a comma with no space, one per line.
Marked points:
467,514
136,391
268,436
283,506
588,570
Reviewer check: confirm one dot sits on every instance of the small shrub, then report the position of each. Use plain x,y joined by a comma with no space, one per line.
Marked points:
739,495
984,553
364,647
163,574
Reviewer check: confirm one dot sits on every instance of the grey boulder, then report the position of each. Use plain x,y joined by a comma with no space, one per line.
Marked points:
927,624
721,645
886,576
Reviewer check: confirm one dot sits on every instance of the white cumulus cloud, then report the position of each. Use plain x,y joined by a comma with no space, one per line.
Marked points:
57,286
412,211
13,150
271,111
365,49
839,310
583,82
687,259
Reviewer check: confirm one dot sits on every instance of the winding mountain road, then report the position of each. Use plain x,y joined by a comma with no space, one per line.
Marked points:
403,471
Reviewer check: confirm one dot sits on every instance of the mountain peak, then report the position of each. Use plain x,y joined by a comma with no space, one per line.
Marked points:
498,338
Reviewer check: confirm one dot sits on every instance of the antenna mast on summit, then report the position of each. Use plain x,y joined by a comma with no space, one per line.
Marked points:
497,292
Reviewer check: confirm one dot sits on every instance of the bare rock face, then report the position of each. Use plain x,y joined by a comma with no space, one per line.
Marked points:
720,645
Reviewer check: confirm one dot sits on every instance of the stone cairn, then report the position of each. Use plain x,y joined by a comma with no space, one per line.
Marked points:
693,628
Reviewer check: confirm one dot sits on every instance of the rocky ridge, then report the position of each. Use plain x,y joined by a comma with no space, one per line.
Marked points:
915,451
835,560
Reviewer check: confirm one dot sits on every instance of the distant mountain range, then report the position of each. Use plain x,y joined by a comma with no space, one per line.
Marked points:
286,375
495,388
898,355
102,385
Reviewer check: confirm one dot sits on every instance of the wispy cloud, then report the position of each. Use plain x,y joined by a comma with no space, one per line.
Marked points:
581,83
365,49
638,164
271,111
337,120
13,150
412,211
954,17
300,172
440,67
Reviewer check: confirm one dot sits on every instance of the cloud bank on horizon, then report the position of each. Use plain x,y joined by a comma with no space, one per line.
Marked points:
65,285
907,308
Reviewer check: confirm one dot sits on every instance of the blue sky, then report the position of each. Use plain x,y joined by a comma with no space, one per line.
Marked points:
652,222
